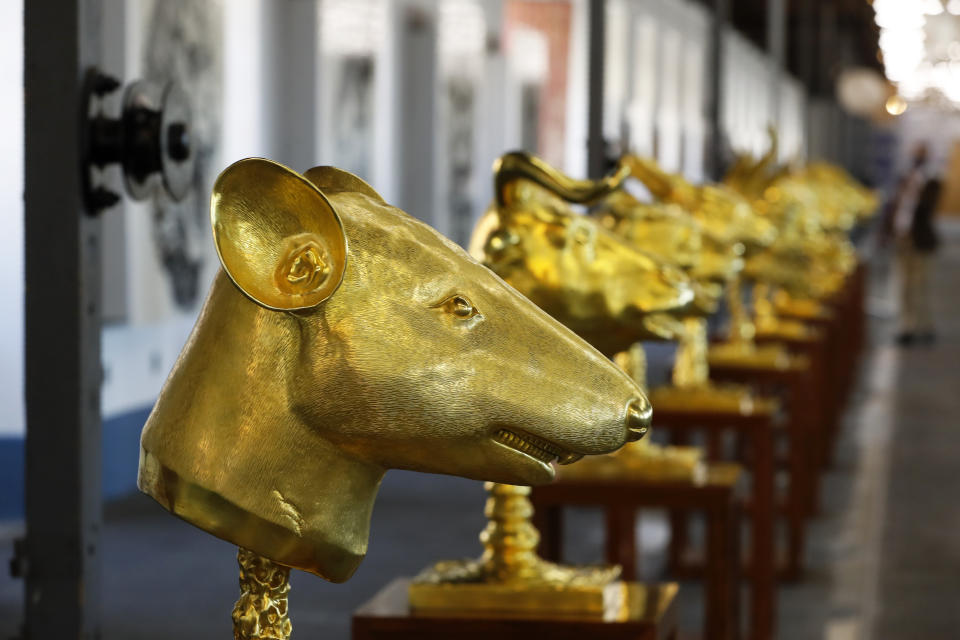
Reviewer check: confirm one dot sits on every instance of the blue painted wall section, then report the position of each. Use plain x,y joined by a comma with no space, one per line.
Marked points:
121,452
121,455
11,477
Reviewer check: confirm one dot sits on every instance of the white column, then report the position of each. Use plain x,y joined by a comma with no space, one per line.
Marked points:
491,108
575,156
414,65
290,81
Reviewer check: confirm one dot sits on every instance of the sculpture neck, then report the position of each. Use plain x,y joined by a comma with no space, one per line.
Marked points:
261,613
691,368
222,461
762,305
509,539
634,363
741,327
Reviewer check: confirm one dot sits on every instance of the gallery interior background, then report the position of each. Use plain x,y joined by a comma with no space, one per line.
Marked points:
368,85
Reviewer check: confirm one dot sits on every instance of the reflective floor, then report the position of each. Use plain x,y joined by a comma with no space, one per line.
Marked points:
884,555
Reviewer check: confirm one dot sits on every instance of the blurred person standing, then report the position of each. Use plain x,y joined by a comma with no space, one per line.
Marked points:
910,223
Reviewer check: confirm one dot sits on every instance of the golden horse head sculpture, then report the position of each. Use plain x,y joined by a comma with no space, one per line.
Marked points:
592,280
342,338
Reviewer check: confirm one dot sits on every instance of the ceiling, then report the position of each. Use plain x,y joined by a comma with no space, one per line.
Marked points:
823,36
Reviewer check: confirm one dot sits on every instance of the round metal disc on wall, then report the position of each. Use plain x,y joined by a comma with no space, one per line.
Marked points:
177,154
157,140
141,122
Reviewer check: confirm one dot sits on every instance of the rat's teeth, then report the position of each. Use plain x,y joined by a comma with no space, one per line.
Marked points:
569,458
534,447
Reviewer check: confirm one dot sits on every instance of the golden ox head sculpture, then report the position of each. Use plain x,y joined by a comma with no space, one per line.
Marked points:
343,338
589,278
672,236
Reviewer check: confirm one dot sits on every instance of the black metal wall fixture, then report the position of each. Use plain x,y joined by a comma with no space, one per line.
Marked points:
149,140
69,139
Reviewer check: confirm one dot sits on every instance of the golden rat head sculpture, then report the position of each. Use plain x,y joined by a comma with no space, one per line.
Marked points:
590,279
343,338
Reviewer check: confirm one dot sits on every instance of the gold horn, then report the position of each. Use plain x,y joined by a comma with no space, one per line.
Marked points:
520,165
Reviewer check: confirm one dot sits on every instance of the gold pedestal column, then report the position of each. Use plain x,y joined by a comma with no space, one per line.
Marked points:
740,348
691,389
641,460
769,324
510,578
261,611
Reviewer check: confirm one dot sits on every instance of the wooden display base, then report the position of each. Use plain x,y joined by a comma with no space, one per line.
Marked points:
834,356
620,499
797,388
756,431
649,614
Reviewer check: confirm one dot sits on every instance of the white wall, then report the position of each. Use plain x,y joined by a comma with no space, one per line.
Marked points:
746,102
493,107
575,135
664,70
11,202
139,352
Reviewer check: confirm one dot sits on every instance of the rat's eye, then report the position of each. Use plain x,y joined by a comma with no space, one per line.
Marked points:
459,306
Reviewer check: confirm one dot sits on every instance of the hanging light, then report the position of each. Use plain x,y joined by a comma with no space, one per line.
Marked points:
932,7
896,105
897,14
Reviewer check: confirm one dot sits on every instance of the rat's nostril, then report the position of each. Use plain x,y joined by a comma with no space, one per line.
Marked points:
639,413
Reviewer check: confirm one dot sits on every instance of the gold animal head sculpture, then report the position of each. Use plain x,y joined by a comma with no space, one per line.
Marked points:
672,236
811,256
750,177
726,215
590,279
848,194
342,338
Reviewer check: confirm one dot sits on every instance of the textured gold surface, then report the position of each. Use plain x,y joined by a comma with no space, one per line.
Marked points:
261,611
732,221
813,207
775,259
344,338
691,388
734,229
510,577
640,602
672,236
743,353
590,279
642,461
727,399
725,213
513,170
666,234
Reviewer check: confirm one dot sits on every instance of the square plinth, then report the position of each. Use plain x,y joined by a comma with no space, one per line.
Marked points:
649,613
594,600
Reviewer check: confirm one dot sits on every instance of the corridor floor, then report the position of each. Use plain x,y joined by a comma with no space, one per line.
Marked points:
884,555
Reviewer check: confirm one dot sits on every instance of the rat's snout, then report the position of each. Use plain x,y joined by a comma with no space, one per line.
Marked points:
639,413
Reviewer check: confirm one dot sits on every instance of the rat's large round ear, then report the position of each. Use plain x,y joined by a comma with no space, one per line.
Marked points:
333,180
279,238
